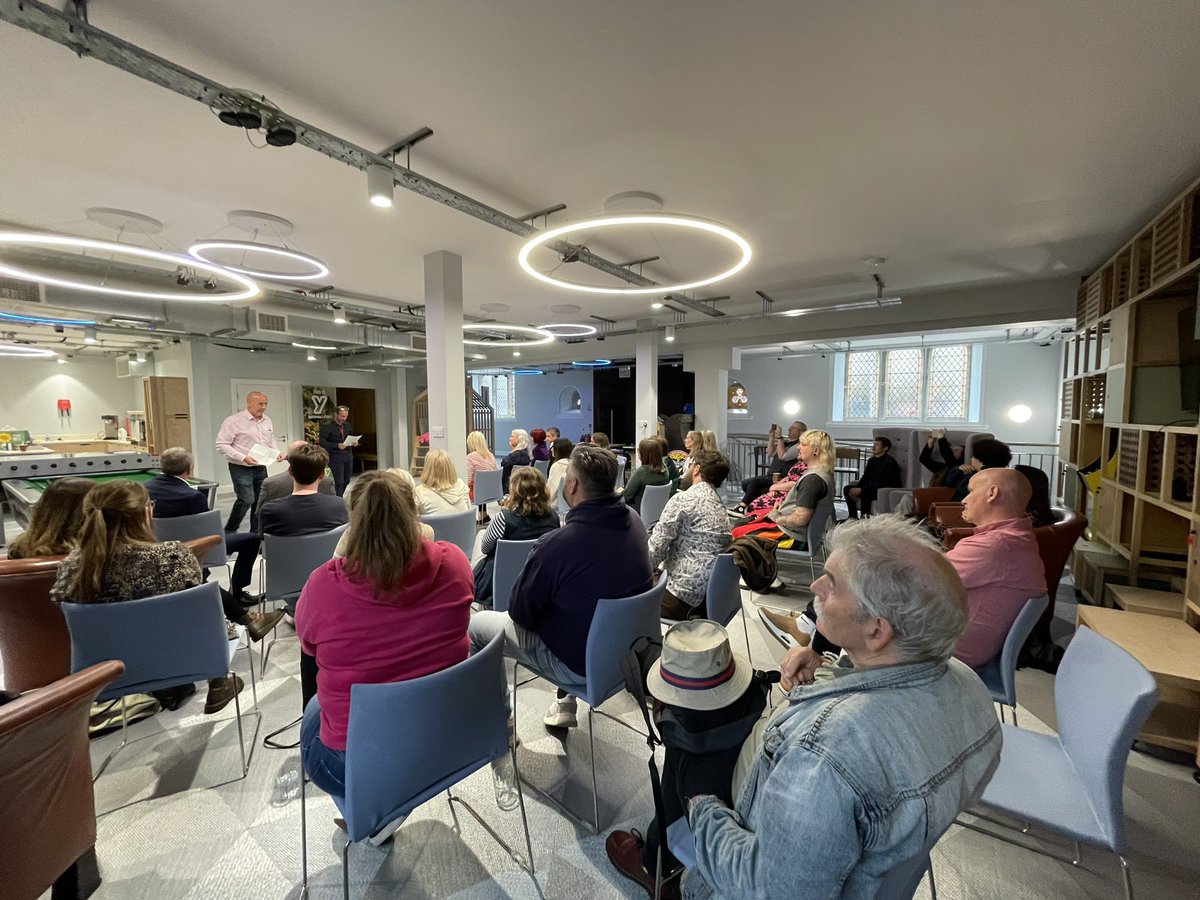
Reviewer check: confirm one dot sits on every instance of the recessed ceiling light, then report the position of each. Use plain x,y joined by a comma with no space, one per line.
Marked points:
516,353
657,304
62,360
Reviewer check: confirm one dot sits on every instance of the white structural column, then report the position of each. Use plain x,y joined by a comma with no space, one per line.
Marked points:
646,386
445,362
711,366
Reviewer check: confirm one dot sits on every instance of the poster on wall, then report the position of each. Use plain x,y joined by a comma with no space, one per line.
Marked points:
739,399
319,403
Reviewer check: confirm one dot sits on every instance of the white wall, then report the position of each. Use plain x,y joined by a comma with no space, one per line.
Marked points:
32,387
1012,374
537,406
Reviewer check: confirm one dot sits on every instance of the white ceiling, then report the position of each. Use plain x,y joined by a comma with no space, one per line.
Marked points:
968,142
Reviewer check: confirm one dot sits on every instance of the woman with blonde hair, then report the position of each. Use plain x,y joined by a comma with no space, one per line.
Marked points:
524,515
56,520
694,442
119,559
813,491
479,459
396,607
441,490
518,443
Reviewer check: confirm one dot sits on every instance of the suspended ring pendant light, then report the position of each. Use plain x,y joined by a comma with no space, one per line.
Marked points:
567,330
537,335
316,268
663,219
247,288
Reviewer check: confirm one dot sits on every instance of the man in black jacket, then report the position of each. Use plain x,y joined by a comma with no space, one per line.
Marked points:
882,471
333,440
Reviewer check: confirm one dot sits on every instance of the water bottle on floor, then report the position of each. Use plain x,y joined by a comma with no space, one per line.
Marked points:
287,785
504,780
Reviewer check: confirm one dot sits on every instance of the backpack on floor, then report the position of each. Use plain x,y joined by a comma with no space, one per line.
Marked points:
755,557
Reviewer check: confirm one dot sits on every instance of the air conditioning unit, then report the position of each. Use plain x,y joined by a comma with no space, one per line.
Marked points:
270,322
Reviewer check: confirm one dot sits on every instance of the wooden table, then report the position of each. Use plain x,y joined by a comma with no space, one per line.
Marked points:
1170,650
1143,600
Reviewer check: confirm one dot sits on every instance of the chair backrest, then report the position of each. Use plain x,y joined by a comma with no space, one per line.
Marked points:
815,538
164,641
488,486
563,506
654,501
948,514
1102,697
290,559
616,624
402,746
620,482
184,528
925,497
35,648
510,559
1055,543
724,598
46,780
905,451
1021,628
457,528
543,466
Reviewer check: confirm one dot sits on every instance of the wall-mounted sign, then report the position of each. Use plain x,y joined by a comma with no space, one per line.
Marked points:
319,403
739,399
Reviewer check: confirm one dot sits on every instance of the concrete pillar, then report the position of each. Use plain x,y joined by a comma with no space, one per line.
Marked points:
401,442
711,366
446,365
646,386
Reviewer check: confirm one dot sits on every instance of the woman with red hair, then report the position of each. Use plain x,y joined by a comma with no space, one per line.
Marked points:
539,449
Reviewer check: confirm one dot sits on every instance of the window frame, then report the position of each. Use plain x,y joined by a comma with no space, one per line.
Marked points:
973,388
478,384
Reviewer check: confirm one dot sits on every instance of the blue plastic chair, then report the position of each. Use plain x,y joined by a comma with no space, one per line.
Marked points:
543,466
456,528
814,540
1072,783
1000,675
616,624
403,748
654,501
510,559
165,641
724,598
288,560
487,487
185,528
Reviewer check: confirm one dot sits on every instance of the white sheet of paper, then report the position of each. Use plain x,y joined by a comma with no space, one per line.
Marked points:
262,454
352,440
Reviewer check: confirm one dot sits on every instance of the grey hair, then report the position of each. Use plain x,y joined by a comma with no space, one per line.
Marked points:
175,460
899,573
522,438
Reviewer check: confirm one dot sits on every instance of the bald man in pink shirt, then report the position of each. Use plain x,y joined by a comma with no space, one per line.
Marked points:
999,564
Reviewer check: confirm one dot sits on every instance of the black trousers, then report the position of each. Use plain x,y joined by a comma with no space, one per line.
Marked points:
341,463
852,504
754,487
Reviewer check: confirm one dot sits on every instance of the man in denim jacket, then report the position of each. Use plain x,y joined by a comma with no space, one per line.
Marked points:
866,763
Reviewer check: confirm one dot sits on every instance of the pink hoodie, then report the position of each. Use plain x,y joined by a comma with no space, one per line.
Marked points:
360,640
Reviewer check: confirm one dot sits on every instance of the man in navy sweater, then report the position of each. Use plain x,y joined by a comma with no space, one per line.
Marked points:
600,551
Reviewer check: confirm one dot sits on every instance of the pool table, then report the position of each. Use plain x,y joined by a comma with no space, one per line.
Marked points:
24,482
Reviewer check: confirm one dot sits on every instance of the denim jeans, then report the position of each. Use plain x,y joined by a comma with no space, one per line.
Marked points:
326,768
247,481
525,647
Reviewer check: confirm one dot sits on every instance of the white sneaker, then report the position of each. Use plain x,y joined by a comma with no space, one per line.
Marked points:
561,714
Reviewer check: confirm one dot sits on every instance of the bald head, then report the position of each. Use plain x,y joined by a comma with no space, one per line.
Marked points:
256,403
995,495
294,444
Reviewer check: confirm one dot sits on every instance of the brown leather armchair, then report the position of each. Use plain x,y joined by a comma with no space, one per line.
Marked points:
34,644
924,498
49,821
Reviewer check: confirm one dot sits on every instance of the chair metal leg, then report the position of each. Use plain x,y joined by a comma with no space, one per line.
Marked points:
932,883
1014,709
527,865
746,631
592,753
1000,706
1125,877
237,710
346,870
117,749
303,832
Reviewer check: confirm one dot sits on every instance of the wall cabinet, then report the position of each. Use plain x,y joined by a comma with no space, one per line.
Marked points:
168,413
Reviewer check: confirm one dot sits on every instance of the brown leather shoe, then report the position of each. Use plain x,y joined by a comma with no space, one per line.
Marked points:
624,849
220,692
259,625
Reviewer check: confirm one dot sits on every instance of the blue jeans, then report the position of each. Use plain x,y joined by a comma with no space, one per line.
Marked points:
247,482
326,768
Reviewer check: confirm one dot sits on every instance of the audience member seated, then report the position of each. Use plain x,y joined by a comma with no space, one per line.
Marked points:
479,459
1039,510
305,510
396,607
881,471
986,453
813,490
599,552
518,443
538,448
652,471
552,435
950,456
700,440
672,468
118,559
560,454
693,529
524,515
778,490
275,487
174,497
999,564
441,491
55,522
600,439
366,478
781,453
844,778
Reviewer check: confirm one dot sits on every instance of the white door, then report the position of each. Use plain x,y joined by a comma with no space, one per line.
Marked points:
279,411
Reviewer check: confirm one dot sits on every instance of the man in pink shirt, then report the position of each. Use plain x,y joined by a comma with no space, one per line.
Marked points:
238,434
999,564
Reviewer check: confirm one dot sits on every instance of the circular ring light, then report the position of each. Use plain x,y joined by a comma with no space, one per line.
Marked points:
637,219
248,290
45,320
319,269
592,364
569,331
24,351
537,335
528,372
302,346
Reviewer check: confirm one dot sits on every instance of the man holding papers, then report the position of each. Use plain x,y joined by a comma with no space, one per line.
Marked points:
337,437
247,440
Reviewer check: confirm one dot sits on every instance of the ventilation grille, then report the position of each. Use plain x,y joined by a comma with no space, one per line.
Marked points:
271,322
25,291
